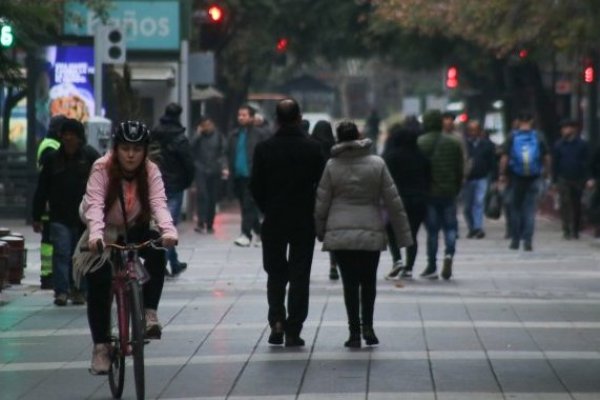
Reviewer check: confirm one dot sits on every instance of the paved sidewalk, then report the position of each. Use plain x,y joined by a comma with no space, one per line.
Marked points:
511,325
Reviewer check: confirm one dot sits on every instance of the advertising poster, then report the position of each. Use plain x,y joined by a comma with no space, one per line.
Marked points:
65,85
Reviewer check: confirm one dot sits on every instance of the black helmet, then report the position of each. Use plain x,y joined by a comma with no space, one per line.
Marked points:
131,132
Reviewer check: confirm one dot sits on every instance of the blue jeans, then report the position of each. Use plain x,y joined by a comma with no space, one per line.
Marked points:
473,197
174,202
441,215
64,239
522,208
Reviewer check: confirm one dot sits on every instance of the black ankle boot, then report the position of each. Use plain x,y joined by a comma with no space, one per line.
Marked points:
369,336
353,340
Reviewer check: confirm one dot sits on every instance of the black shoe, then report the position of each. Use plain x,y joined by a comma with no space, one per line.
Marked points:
293,341
210,230
276,336
471,234
479,234
333,273
369,336
447,267
175,271
527,247
199,229
353,341
429,273
46,283
514,245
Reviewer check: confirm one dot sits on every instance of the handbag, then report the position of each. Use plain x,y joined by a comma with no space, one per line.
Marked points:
493,204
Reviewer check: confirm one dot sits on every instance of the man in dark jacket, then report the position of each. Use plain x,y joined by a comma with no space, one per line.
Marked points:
47,146
61,186
171,150
570,173
208,148
242,142
481,163
447,168
285,174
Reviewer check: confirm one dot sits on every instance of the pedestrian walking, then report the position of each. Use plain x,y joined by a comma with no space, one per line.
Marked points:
525,161
209,149
481,155
447,167
411,172
242,143
570,173
349,221
449,128
171,150
47,146
285,173
61,186
124,194
323,133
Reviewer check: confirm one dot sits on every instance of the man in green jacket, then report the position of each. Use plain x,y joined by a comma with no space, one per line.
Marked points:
447,170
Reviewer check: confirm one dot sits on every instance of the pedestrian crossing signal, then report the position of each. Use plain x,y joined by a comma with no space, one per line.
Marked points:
452,77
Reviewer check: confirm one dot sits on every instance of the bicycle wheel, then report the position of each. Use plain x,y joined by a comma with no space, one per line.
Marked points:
138,325
116,374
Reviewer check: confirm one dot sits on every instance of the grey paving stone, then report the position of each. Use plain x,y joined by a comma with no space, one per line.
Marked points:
527,376
399,376
464,376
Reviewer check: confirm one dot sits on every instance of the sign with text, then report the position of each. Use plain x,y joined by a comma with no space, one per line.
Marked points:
148,25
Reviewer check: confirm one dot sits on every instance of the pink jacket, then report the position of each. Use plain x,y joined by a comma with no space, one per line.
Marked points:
92,206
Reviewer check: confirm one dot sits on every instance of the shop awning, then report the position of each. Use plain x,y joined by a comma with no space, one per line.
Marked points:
150,73
205,94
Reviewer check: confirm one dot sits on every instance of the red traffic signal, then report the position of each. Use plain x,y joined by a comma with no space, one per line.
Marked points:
282,45
452,77
589,75
215,13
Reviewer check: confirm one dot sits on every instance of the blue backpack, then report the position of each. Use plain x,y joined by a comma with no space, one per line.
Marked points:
525,154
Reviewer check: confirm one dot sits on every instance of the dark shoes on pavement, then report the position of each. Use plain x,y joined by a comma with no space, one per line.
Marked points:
447,267
293,340
77,298
277,332
476,234
353,341
429,273
61,299
333,273
369,336
176,271
514,245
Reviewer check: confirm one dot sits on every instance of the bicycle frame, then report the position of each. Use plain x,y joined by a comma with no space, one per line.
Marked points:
123,272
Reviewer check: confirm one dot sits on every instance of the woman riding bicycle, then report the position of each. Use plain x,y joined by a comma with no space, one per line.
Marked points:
123,176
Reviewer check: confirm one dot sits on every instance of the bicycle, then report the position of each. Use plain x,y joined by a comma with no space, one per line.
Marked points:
128,276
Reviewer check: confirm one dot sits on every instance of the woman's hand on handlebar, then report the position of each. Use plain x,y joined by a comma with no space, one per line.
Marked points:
168,241
96,246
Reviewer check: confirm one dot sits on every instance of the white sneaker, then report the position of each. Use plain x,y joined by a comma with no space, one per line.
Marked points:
153,327
100,359
242,241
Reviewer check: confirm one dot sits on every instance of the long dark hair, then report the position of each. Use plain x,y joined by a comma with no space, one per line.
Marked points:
323,133
115,177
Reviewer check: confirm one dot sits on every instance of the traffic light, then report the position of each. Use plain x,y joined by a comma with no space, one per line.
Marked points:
281,49
452,77
212,27
282,45
113,45
7,37
589,74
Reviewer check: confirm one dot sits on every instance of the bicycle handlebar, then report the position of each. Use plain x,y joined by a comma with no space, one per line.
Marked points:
132,246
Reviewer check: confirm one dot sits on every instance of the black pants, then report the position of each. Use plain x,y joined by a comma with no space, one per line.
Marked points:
359,276
207,191
416,209
250,220
570,206
100,281
287,259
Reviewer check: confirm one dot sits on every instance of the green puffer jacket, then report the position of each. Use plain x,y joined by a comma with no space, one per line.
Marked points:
353,188
447,163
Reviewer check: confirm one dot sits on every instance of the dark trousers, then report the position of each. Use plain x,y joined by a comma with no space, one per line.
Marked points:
207,191
287,259
250,219
416,209
570,206
99,287
359,276
523,207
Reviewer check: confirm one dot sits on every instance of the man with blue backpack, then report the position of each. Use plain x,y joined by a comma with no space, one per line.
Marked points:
525,161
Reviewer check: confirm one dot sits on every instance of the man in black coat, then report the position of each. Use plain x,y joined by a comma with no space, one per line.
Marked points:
61,186
285,174
171,150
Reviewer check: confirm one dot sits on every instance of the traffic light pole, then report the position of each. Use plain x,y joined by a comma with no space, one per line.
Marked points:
98,47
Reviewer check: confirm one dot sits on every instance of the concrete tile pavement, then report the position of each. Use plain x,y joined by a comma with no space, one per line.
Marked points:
511,325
